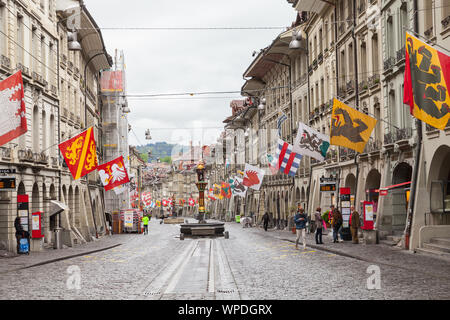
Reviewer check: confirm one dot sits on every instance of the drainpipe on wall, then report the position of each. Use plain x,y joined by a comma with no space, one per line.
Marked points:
412,201
58,218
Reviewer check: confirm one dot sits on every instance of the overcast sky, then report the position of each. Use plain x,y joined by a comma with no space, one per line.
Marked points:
186,61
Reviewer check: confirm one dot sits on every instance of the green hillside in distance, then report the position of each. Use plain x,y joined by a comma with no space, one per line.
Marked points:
161,150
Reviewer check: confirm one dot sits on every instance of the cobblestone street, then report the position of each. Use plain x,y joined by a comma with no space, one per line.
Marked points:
251,264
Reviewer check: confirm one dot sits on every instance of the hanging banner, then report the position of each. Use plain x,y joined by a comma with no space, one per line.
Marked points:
13,122
238,187
288,160
349,127
310,142
426,83
114,174
253,177
80,153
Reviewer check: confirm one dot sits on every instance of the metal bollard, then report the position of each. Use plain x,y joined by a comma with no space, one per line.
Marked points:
57,241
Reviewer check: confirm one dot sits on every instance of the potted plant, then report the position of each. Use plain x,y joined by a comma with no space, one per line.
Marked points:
325,218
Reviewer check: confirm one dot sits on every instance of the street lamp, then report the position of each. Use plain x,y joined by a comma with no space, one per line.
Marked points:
296,40
147,135
262,104
201,185
125,108
73,43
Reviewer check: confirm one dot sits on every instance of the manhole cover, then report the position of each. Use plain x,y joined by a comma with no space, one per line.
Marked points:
151,293
225,291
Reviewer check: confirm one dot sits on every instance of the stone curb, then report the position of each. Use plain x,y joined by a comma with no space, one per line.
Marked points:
357,257
61,258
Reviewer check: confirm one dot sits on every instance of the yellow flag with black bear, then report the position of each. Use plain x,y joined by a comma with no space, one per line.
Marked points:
349,127
427,80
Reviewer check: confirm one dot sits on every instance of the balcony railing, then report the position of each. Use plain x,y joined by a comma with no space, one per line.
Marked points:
401,55
25,155
445,22
362,7
374,80
389,63
320,57
429,33
54,161
346,154
363,86
349,21
42,158
372,146
397,135
6,153
6,62
350,86
342,91
341,28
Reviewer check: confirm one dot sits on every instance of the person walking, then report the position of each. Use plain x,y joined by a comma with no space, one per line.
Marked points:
355,223
19,232
145,220
266,220
319,225
337,224
300,220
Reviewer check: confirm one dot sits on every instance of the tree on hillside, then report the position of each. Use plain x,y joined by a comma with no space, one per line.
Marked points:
167,159
144,156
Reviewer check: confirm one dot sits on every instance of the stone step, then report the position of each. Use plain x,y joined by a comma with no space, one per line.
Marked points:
432,252
388,242
437,247
441,241
394,238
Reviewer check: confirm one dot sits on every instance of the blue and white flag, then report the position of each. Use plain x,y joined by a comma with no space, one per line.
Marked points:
288,161
280,121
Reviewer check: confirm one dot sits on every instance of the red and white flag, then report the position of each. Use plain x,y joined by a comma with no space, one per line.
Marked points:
191,202
13,121
113,173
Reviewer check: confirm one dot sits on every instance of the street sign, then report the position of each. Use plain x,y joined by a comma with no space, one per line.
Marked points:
7,183
7,171
328,187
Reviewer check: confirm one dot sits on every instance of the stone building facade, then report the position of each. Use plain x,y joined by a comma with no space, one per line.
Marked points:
33,39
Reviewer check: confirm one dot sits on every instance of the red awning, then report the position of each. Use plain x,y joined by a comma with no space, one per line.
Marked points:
396,185
383,191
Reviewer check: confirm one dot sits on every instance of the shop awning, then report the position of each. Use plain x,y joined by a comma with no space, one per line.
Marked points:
57,207
384,190
311,5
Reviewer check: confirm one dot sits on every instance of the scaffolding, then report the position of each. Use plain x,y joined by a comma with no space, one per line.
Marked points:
115,127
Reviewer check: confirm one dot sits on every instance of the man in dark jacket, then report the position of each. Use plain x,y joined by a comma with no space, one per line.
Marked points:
266,220
19,232
319,224
337,223
300,220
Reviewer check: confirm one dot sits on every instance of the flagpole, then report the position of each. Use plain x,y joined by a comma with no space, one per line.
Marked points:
412,200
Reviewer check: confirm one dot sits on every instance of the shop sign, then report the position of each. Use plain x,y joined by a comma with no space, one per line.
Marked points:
328,187
7,184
